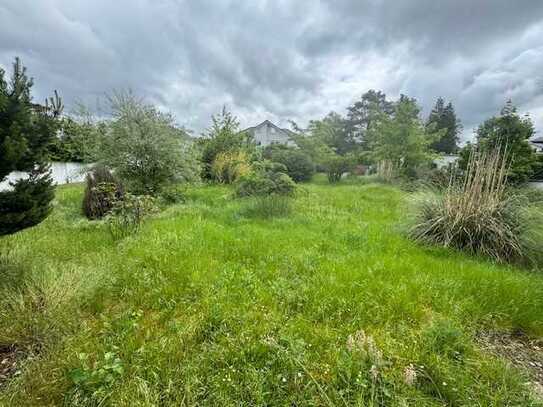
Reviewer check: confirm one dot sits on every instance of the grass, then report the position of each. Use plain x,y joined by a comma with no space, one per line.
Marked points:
328,305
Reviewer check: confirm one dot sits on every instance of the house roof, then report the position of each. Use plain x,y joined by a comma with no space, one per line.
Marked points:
537,140
268,123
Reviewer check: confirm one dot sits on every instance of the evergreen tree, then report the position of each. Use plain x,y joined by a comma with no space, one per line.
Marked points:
26,130
443,124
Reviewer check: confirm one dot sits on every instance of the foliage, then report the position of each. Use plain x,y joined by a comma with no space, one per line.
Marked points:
510,130
401,139
263,309
268,178
269,206
228,166
144,147
479,215
173,194
336,166
444,127
26,130
332,131
222,137
366,113
96,378
102,190
128,214
299,165
79,140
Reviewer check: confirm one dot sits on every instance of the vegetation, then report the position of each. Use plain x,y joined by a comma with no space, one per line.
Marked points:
222,137
510,130
401,139
478,214
267,179
102,191
144,147
298,164
208,305
26,130
444,126
229,166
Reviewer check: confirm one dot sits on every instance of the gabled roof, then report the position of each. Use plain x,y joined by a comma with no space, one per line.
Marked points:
268,123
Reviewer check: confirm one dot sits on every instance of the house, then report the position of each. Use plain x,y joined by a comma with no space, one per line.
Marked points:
267,133
537,144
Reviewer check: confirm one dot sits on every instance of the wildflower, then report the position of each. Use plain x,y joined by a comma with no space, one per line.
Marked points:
374,372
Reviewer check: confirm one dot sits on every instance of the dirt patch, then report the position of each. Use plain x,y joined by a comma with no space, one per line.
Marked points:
10,358
522,351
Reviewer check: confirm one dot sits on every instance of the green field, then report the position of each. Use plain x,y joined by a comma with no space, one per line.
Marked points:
209,305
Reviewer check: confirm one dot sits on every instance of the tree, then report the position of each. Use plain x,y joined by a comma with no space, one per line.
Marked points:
222,137
145,148
26,130
299,165
511,132
365,113
332,130
400,139
443,125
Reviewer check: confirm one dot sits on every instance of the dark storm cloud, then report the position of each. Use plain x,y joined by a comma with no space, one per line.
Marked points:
281,59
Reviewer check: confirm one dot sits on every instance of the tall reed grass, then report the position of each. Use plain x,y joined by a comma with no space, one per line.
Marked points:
478,213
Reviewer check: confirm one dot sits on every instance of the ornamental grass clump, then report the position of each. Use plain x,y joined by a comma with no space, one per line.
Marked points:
477,213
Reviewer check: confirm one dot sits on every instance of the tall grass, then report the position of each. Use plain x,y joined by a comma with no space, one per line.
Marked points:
478,213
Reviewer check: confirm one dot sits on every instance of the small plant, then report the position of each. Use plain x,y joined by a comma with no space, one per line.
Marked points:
173,194
101,192
95,378
266,207
128,214
476,213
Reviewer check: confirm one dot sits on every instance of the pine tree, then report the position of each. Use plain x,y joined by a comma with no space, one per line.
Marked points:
26,131
443,123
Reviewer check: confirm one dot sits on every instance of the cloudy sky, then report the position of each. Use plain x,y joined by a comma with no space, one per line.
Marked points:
280,59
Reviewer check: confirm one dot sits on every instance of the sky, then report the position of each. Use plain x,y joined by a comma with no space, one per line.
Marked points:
281,60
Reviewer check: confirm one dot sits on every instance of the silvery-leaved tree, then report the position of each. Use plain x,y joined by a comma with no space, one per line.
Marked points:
26,131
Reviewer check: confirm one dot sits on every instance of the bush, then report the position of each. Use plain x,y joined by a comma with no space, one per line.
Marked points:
145,148
336,166
128,214
102,190
268,178
299,165
173,194
477,214
229,166
270,206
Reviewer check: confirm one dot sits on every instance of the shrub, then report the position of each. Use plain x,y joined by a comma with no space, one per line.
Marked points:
102,190
128,214
270,206
299,165
173,194
336,166
477,214
229,166
268,178
145,148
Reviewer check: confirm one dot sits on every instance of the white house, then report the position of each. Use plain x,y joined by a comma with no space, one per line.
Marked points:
267,133
537,144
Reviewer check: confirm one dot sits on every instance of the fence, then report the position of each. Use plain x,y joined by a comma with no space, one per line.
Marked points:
61,172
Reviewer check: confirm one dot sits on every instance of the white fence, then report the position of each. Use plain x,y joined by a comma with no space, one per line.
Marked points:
62,173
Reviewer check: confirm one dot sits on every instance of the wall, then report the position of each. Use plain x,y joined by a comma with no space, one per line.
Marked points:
62,173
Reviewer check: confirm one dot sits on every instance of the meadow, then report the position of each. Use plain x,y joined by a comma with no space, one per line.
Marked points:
210,303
